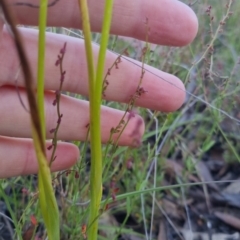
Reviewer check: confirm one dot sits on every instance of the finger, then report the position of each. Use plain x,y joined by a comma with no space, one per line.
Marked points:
1,26
22,160
170,21
15,120
164,92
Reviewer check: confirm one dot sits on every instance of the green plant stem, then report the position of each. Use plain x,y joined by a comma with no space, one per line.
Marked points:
41,64
229,143
162,188
47,198
95,95
95,114
95,190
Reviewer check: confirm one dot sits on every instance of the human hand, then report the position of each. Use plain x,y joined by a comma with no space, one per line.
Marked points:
170,22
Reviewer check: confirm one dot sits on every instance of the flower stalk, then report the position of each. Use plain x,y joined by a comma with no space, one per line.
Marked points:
47,198
95,95
48,204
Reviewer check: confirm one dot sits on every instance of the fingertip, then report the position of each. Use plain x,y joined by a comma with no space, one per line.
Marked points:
178,97
67,155
171,23
137,132
133,133
189,26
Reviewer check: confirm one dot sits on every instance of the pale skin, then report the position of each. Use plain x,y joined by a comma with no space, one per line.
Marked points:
171,23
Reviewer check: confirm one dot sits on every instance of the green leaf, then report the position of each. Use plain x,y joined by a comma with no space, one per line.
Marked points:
48,204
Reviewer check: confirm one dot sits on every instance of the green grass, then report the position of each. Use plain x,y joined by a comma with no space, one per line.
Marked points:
185,136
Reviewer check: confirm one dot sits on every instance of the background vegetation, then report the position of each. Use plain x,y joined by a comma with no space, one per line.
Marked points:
198,143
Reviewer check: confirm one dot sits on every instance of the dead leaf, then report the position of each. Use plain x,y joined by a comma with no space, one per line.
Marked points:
172,209
226,199
189,235
28,234
175,169
233,187
205,175
162,231
228,219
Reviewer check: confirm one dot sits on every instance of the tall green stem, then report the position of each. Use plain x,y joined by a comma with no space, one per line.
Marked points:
95,95
47,198
41,64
